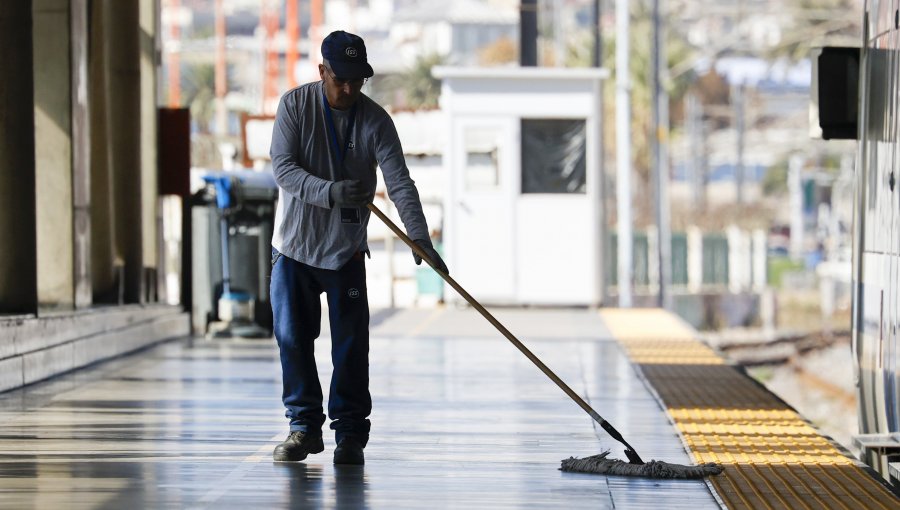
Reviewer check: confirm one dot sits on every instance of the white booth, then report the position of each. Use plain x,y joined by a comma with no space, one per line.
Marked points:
523,207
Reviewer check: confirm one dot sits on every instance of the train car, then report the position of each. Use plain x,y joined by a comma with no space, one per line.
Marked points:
857,92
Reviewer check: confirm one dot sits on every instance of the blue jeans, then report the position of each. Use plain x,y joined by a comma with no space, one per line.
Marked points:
295,292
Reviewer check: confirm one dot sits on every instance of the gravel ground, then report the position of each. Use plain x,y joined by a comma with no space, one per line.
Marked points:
820,386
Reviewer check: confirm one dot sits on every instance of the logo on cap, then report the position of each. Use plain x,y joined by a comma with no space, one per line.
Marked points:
350,51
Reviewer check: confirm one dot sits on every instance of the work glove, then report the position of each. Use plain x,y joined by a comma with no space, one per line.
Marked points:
432,254
349,193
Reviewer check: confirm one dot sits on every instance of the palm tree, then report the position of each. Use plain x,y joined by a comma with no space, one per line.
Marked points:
677,50
422,89
199,82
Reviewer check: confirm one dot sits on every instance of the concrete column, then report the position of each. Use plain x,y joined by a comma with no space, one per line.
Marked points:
116,200
18,259
148,125
81,154
103,263
124,123
53,157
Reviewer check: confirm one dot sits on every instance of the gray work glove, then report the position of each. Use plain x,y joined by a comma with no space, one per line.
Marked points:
432,254
349,193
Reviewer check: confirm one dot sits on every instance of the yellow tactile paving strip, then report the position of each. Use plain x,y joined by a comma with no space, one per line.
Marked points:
772,457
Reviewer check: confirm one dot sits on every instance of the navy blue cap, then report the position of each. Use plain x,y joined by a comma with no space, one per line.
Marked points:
346,55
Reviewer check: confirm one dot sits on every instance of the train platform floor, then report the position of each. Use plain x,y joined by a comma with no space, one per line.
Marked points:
460,419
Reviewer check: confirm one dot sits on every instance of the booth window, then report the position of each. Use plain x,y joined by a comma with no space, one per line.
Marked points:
553,155
482,172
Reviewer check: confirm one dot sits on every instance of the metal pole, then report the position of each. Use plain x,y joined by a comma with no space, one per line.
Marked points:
696,150
559,47
693,158
703,144
665,221
795,205
598,36
660,161
739,131
623,154
602,194
226,256
528,32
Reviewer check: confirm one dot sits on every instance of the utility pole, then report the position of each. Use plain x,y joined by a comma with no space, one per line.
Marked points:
269,23
316,18
598,35
739,131
795,205
694,115
604,239
528,32
292,33
623,154
661,161
559,43
221,77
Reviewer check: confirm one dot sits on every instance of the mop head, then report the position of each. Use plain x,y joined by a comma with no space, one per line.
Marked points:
599,464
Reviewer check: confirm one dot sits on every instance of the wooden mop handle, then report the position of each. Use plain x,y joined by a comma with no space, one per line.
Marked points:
490,318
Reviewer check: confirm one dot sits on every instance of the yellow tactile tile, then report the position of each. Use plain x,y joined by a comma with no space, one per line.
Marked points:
773,458
646,323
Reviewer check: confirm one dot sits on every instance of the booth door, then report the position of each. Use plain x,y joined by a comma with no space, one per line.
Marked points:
556,215
481,207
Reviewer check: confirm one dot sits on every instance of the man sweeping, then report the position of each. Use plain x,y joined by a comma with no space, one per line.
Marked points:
328,139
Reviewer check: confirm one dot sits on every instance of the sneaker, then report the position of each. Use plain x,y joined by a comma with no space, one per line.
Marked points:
349,451
297,446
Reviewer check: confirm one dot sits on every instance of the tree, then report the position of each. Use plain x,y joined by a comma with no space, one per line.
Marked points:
817,22
677,50
501,51
422,89
199,82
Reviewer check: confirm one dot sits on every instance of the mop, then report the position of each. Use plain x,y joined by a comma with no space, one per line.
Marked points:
598,464
601,465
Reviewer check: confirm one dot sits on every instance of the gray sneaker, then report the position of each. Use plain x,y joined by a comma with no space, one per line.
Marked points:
297,446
